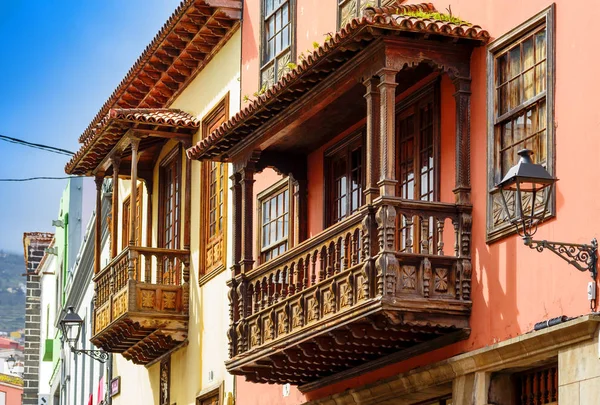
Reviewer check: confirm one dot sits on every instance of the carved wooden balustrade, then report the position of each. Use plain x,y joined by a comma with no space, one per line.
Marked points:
358,291
141,307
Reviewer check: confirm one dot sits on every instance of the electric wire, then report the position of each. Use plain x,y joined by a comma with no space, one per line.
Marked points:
36,145
39,178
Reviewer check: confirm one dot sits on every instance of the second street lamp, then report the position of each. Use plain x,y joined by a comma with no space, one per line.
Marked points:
70,327
526,184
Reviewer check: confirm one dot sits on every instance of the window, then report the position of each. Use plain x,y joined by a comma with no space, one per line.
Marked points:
349,9
211,396
2,398
345,179
520,104
214,199
274,213
538,386
138,220
170,200
417,167
277,38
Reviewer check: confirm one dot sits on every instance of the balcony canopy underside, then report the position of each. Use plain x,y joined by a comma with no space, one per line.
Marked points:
141,337
367,332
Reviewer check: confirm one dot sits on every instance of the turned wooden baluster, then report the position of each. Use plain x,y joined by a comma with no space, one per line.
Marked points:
424,235
274,282
347,252
355,251
257,297
307,264
284,283
314,268
148,270
330,270
337,257
409,233
293,272
440,236
456,237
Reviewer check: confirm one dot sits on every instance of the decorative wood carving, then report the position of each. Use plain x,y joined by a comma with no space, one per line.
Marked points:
387,131
165,382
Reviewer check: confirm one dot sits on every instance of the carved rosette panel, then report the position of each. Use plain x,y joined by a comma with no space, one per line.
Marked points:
268,76
312,311
328,301
408,277
441,281
345,295
297,316
102,318
120,304
268,329
148,298
169,300
361,291
254,335
282,321
282,64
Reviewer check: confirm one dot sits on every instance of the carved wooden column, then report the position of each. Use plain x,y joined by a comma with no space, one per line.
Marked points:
188,201
387,128
98,231
135,143
236,284
247,203
114,240
386,263
372,96
301,208
462,97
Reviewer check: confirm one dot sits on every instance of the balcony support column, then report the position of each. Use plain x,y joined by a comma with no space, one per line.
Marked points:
247,203
386,263
462,97
372,97
114,237
98,219
135,143
387,131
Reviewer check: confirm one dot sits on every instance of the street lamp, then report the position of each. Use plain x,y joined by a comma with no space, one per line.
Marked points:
527,183
10,362
70,327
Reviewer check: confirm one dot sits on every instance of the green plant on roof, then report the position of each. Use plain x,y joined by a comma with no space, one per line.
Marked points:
315,44
434,15
246,98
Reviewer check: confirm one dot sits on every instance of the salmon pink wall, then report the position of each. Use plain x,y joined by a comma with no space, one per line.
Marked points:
513,287
12,393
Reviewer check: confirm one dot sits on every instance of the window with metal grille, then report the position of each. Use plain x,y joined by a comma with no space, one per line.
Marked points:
277,40
520,113
345,178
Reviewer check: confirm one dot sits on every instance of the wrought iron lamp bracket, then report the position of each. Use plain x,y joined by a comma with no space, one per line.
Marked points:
583,257
99,355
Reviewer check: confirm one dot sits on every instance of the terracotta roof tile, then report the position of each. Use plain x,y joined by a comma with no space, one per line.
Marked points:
188,40
116,123
392,18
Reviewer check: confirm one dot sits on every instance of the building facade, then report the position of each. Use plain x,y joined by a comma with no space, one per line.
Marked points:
160,285
372,260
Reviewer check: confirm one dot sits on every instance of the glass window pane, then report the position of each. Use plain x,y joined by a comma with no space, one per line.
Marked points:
528,56
540,78
540,45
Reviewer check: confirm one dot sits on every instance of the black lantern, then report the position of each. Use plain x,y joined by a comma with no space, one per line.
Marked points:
70,327
10,362
529,186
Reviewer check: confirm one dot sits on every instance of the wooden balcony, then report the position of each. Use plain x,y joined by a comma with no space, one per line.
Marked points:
392,278
141,308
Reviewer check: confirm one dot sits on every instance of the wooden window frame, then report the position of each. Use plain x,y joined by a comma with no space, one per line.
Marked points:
545,17
219,112
265,64
173,157
215,390
126,218
345,146
430,91
275,189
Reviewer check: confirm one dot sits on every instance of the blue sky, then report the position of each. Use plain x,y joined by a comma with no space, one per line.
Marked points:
61,60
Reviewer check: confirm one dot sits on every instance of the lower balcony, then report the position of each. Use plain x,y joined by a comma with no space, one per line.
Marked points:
141,308
392,279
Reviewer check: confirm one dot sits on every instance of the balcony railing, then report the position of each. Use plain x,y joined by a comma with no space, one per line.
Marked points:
378,282
142,294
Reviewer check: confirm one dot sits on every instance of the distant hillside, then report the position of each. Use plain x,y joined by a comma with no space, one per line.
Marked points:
12,292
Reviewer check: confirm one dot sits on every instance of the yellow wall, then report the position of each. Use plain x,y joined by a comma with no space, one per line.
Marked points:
209,314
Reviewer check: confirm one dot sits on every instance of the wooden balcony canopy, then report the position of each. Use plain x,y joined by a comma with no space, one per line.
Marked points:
193,34
423,37
153,126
